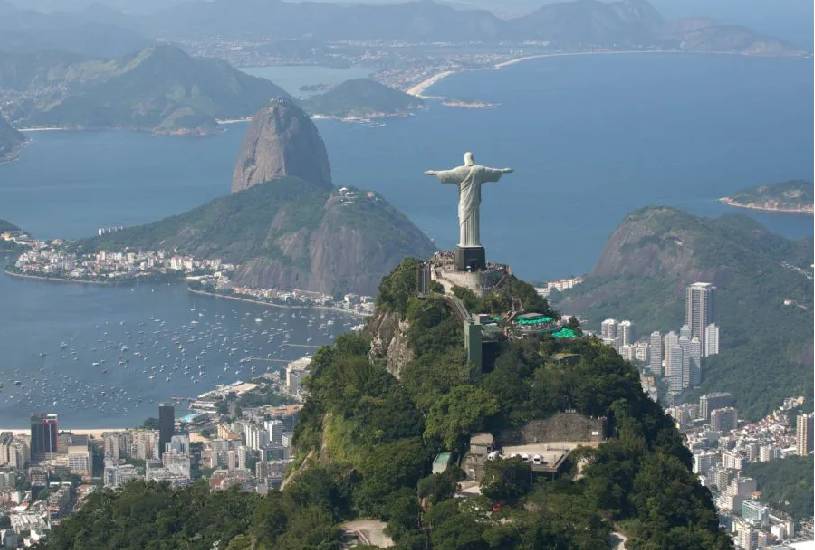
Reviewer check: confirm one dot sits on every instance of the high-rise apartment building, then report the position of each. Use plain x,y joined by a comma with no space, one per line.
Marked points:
699,309
710,344
625,333
803,429
44,435
684,343
608,331
166,426
712,401
655,351
724,419
695,358
673,366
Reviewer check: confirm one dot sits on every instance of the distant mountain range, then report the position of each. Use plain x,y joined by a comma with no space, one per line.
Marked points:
582,23
160,88
577,24
10,142
766,344
363,98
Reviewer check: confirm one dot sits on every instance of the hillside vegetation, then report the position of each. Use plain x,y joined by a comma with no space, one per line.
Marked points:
10,141
361,97
287,233
766,346
366,440
786,484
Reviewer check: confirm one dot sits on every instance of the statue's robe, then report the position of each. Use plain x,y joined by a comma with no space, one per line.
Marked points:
469,179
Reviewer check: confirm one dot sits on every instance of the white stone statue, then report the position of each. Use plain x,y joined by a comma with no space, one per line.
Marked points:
469,178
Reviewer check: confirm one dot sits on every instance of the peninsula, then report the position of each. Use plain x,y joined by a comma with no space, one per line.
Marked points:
788,197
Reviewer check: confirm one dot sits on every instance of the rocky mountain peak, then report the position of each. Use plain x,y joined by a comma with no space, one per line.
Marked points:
281,141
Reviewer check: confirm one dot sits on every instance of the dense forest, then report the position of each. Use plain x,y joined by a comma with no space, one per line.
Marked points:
366,441
786,484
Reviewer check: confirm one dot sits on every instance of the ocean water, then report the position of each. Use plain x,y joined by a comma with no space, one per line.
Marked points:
292,78
591,138
104,356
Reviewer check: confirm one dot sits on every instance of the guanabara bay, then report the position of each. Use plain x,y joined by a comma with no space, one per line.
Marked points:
422,275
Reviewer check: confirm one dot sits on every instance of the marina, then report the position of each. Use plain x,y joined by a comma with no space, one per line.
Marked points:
138,346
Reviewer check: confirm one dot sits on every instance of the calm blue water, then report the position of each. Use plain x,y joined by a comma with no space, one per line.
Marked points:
590,138
113,353
293,77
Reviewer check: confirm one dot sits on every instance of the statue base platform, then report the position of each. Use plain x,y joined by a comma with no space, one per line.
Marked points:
444,269
470,258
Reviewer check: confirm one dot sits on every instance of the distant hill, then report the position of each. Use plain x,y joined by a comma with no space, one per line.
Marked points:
793,196
417,20
766,345
7,226
591,22
96,32
161,89
288,233
10,142
361,97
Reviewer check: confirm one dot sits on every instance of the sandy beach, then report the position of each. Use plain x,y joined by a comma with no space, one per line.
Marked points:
419,89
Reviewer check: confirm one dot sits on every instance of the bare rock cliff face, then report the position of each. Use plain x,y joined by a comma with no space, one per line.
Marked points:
281,141
389,341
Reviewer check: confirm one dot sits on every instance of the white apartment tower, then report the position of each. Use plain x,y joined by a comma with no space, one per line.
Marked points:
608,330
804,433
684,343
625,333
699,309
655,362
695,355
711,341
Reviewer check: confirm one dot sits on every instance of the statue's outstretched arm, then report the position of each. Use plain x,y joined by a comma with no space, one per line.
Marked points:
494,174
448,176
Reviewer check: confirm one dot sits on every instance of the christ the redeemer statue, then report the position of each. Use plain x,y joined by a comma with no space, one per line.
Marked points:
469,177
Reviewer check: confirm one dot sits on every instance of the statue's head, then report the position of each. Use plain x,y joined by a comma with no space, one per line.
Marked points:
469,159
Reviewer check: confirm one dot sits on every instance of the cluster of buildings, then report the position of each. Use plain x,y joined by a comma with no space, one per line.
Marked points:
53,259
722,447
349,303
675,358
44,475
253,451
559,285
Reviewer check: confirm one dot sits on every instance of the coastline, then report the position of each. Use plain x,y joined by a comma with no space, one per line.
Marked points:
272,304
57,279
418,90
769,209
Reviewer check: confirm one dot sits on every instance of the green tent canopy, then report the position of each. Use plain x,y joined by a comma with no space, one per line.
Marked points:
565,332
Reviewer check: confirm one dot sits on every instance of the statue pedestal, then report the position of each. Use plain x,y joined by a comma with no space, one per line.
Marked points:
470,258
